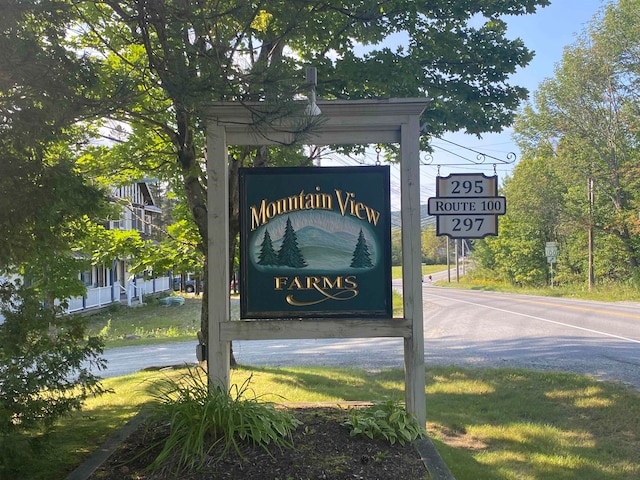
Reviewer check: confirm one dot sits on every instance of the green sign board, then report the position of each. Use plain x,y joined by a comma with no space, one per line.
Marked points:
315,242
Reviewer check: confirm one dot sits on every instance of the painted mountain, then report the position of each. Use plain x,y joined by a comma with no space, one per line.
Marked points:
323,250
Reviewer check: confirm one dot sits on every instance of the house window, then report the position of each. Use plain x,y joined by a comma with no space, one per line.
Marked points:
138,223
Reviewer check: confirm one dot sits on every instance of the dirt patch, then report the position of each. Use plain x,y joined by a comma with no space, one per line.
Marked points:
323,449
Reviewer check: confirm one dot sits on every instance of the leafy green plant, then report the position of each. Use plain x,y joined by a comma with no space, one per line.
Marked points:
203,419
388,420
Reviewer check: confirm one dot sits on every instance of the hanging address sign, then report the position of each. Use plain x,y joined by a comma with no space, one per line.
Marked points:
467,205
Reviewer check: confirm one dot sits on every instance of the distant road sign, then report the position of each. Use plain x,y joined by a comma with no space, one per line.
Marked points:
551,251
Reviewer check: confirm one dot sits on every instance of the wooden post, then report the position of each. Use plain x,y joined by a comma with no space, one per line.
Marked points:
218,350
412,269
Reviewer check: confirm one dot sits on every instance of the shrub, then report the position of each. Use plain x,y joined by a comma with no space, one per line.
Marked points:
203,418
389,421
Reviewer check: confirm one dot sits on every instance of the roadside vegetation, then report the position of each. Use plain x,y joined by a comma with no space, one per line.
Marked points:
576,183
486,423
603,292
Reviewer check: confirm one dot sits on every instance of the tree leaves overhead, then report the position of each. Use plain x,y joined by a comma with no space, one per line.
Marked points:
440,54
455,52
138,72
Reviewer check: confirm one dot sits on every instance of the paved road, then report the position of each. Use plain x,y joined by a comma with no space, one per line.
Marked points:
490,329
466,328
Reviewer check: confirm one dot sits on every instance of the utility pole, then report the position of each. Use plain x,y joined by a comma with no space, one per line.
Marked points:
465,249
457,260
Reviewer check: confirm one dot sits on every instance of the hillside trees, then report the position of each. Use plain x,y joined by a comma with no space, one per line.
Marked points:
434,248
533,217
579,135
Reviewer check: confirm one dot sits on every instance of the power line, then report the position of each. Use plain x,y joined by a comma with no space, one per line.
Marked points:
481,157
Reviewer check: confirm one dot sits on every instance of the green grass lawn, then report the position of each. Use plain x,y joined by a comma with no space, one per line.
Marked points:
396,271
486,423
146,324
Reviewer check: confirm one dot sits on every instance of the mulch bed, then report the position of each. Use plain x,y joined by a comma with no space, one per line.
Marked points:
323,450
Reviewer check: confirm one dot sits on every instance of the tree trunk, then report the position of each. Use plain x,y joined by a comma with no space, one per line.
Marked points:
197,200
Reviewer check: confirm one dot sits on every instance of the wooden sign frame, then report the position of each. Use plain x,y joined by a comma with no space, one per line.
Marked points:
342,122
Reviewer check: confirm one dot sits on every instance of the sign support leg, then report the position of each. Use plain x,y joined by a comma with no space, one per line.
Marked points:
412,269
218,351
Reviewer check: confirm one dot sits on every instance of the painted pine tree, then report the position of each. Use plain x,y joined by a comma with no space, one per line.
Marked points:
289,254
361,256
267,254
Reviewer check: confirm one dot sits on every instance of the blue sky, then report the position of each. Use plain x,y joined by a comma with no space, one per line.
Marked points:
547,33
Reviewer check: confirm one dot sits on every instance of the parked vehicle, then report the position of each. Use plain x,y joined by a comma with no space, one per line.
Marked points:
189,284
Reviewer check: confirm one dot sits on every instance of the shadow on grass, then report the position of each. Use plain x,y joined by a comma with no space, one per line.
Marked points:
506,423
335,384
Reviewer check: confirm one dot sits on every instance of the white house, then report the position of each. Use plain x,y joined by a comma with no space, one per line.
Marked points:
113,283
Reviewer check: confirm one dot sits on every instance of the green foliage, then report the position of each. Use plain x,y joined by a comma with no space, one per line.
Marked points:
389,421
44,370
396,247
580,136
44,98
434,249
534,194
43,203
197,411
